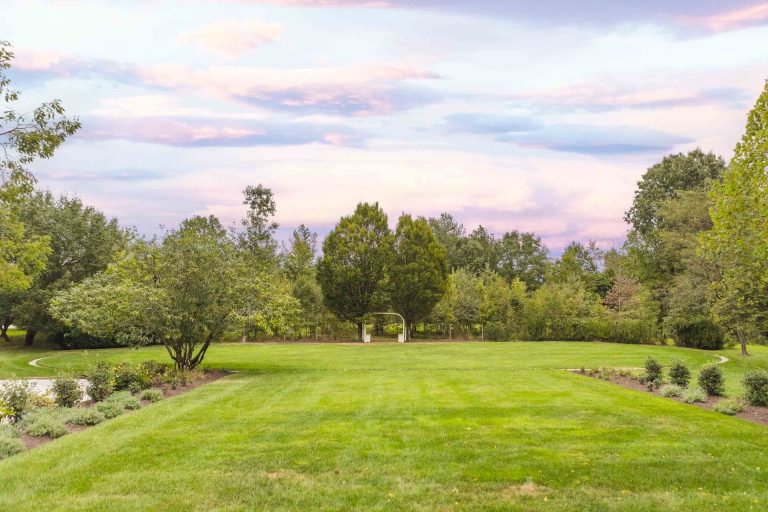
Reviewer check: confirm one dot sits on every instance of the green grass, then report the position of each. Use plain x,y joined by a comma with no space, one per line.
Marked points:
402,427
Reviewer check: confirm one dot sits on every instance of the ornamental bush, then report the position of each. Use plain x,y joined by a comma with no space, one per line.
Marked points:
711,380
101,378
679,373
652,370
756,385
16,397
67,391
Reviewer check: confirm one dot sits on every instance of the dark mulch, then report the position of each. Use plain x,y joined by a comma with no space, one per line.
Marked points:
750,413
168,392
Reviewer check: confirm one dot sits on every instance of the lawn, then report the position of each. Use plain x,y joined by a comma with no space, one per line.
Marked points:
474,426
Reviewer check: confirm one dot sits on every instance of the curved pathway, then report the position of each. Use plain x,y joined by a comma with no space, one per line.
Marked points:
35,362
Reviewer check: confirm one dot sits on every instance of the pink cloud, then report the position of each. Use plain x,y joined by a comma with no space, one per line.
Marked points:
730,20
232,38
340,91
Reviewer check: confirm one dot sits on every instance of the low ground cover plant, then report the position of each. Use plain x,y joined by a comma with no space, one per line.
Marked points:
671,390
711,380
728,406
44,422
756,387
86,416
693,395
10,444
152,395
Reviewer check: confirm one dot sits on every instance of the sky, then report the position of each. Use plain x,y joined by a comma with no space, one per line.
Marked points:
529,115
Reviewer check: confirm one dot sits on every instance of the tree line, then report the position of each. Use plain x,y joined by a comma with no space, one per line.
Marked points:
693,268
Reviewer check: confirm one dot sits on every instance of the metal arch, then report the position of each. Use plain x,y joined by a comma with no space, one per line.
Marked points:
405,332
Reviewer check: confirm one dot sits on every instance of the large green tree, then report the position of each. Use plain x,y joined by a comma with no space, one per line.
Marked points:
23,138
184,291
417,275
449,233
257,228
83,242
523,256
738,240
353,269
299,267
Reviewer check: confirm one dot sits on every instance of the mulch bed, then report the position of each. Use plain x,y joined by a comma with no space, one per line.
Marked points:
750,413
208,377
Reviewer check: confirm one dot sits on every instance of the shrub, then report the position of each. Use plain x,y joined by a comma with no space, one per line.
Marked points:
110,409
86,416
152,395
670,390
46,424
131,378
711,380
10,445
653,384
41,401
124,399
652,369
67,391
101,378
17,398
695,395
756,385
702,334
679,373
728,406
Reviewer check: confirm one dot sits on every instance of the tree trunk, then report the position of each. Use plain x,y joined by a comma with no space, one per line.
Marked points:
29,338
742,342
4,331
359,331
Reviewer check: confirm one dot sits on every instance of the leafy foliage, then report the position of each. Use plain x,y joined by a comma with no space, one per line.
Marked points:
756,387
738,241
67,391
679,374
711,380
417,272
352,272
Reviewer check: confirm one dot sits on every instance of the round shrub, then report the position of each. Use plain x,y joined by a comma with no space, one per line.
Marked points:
110,409
695,395
17,398
46,424
131,378
670,390
679,373
152,395
652,369
756,385
728,406
711,380
101,378
67,391
87,416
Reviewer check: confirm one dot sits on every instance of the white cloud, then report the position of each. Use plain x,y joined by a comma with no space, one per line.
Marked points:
232,38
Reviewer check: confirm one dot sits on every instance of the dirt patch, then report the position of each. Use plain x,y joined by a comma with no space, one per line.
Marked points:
750,413
528,489
287,474
206,378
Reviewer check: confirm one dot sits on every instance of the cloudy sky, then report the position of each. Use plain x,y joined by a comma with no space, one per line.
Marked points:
514,114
